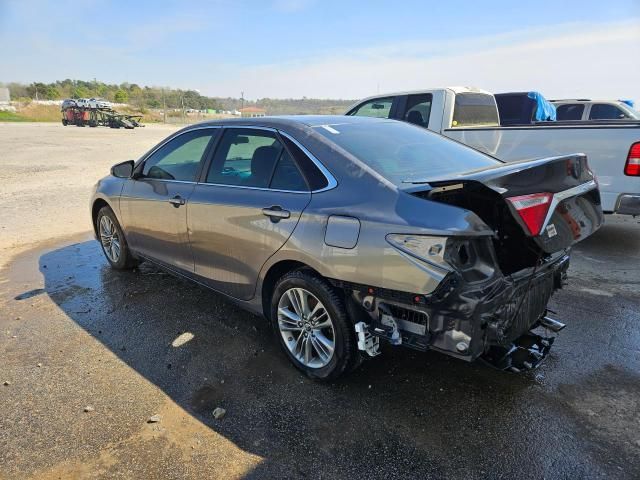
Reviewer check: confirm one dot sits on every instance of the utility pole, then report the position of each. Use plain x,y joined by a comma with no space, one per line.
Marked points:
241,102
164,108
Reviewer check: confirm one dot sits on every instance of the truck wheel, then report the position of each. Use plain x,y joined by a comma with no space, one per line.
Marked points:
312,326
64,122
114,244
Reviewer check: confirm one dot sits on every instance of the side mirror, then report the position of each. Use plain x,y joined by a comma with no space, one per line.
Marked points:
123,170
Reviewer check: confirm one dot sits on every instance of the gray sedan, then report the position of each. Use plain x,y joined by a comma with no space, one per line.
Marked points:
348,231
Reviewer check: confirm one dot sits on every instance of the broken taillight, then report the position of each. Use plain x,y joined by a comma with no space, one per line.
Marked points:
632,167
532,209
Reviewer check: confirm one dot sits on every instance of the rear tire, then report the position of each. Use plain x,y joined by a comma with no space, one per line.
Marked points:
312,326
113,242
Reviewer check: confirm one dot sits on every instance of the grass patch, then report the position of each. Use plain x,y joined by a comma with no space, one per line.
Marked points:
13,117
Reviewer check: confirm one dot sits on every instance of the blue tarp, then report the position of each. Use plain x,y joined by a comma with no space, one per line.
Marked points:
546,111
628,102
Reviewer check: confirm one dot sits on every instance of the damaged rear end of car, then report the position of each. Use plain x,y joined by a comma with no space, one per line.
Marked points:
492,301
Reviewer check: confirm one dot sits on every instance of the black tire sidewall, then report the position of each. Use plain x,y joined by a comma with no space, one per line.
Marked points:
344,337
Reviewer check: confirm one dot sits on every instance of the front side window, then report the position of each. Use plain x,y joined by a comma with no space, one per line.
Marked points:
570,111
605,111
418,109
475,110
378,108
179,159
254,158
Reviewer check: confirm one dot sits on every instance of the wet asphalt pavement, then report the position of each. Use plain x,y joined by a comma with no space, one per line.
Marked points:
136,344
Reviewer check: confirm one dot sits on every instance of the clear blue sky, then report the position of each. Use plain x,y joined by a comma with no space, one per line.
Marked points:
303,47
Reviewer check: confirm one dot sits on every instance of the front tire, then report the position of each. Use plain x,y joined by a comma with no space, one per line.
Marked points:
312,326
114,244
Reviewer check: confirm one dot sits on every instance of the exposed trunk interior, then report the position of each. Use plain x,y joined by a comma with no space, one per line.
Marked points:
514,250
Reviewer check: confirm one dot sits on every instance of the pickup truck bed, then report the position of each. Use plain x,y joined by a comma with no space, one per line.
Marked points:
605,145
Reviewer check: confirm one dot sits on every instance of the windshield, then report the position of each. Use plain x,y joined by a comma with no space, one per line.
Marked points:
474,110
401,152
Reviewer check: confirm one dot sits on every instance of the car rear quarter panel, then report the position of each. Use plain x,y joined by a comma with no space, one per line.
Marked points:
373,261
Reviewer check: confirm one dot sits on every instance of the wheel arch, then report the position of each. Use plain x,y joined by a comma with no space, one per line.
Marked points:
273,274
97,205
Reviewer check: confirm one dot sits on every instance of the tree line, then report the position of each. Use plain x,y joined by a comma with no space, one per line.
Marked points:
145,97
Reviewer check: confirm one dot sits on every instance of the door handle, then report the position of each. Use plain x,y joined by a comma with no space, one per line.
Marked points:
177,201
276,213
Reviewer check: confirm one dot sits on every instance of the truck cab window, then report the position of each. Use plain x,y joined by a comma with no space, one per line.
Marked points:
569,111
605,111
378,108
418,109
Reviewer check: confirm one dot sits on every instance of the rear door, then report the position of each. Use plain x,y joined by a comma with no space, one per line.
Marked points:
245,208
154,201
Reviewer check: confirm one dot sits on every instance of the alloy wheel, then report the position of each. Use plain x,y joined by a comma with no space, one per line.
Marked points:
110,239
306,327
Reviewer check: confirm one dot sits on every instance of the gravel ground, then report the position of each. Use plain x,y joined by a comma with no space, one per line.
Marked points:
74,334
47,171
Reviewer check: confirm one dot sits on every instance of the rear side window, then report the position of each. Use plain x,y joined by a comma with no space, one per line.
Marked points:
475,109
287,176
378,108
570,111
418,109
315,178
245,157
604,111
254,158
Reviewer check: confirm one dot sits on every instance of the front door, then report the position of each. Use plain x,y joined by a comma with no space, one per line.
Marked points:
245,210
154,203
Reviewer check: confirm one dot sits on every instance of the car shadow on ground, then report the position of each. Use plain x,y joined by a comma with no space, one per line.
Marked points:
403,414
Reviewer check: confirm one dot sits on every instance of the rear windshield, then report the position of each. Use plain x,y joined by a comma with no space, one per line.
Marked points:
402,152
475,109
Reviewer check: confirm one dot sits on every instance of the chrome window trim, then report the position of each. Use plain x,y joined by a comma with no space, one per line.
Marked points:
246,187
331,181
179,134
166,180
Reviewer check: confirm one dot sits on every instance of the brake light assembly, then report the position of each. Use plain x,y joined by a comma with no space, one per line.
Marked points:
533,210
632,167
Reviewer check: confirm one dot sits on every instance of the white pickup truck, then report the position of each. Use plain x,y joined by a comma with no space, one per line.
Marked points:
470,116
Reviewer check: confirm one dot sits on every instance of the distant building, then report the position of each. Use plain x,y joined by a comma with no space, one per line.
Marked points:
250,112
5,98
